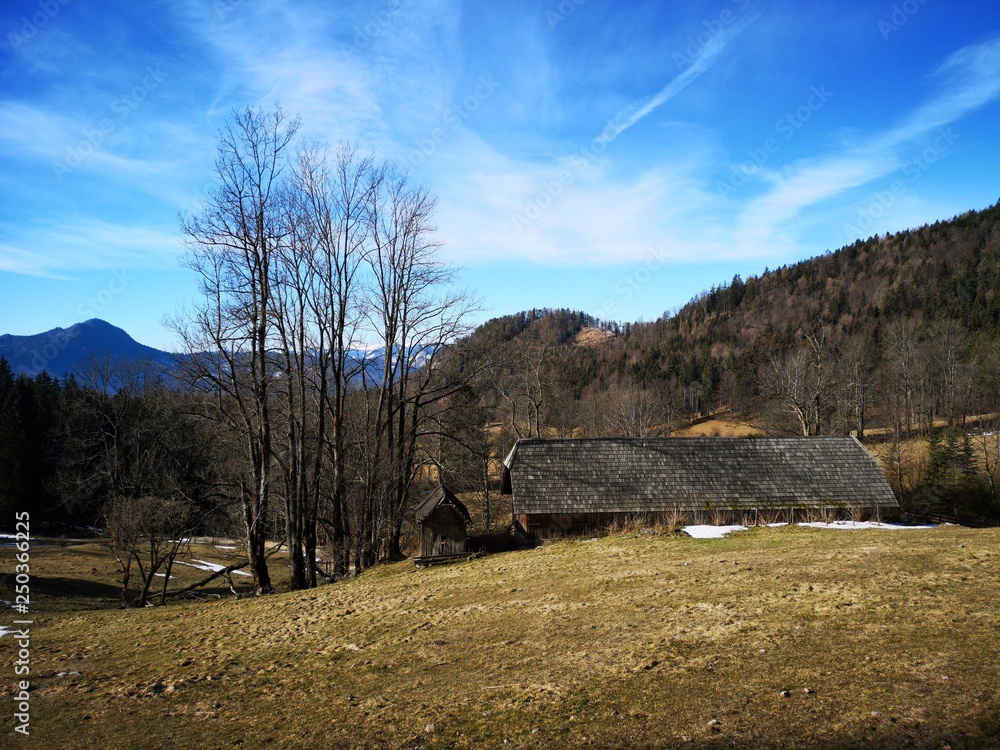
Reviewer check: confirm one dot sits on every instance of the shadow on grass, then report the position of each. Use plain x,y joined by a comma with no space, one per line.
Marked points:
979,735
72,588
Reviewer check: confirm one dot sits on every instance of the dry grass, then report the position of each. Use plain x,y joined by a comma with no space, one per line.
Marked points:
591,337
718,428
880,639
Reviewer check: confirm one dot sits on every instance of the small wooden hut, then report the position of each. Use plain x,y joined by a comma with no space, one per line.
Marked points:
442,520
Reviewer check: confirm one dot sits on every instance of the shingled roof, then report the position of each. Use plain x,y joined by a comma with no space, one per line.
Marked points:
692,474
440,496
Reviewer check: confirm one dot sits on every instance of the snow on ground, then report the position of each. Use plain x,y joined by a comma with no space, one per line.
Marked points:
716,532
710,532
209,566
863,525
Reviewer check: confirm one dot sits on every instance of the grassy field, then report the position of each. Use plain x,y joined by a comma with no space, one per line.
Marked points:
788,637
718,428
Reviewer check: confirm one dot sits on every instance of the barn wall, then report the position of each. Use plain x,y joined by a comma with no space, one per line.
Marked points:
558,524
442,533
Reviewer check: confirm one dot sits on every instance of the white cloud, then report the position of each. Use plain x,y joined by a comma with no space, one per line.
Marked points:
383,75
89,244
599,217
971,79
605,215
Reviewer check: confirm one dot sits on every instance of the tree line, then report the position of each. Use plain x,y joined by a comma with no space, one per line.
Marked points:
319,346
318,359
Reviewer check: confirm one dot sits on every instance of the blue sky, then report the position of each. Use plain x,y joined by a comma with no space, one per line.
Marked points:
614,157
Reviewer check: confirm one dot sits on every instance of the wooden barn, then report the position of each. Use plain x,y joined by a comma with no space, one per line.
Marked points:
441,519
566,486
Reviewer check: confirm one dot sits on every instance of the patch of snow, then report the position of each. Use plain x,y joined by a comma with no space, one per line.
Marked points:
223,546
210,567
777,525
711,532
863,525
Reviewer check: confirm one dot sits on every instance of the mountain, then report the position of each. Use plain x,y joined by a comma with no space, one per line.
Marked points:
62,351
941,282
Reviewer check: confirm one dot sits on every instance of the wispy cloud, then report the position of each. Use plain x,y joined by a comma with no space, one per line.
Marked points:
88,244
701,63
970,79
354,73
604,217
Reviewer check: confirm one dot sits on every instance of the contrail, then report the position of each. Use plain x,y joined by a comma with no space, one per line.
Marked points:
637,110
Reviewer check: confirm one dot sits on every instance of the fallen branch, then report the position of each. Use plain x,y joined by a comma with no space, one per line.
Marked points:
227,572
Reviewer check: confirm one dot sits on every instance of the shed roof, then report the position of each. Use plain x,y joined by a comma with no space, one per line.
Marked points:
441,496
616,475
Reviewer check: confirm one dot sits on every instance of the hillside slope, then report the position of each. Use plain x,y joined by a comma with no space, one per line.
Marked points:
772,638
708,351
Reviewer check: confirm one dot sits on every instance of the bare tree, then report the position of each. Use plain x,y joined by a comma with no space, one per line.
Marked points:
335,222
987,444
146,534
987,438
791,382
901,348
292,290
520,376
948,357
233,242
414,311
632,412
856,365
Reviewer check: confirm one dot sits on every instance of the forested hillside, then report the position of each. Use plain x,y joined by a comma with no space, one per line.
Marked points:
929,278
890,338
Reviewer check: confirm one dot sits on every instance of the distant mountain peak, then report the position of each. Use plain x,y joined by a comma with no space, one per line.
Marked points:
61,351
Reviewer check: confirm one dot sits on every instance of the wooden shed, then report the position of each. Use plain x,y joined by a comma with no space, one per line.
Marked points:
441,519
561,486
